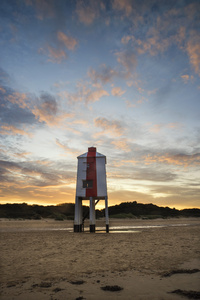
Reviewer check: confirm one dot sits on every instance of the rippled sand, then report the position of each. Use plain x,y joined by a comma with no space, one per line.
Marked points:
44,260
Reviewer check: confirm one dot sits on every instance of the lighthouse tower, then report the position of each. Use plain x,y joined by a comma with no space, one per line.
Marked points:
91,185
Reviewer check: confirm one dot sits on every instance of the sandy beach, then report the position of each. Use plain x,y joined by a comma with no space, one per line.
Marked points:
43,259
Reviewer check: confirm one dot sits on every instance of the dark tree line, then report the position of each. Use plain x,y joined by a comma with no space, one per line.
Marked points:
66,211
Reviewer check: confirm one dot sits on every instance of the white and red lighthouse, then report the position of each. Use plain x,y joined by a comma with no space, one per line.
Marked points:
91,185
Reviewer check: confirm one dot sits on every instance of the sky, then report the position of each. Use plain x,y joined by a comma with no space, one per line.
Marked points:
123,76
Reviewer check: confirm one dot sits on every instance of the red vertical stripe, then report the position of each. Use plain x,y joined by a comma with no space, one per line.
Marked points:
91,173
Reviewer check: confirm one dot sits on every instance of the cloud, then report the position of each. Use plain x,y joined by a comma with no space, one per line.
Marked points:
94,96
117,91
18,98
174,125
88,11
81,122
124,6
192,12
12,130
144,173
84,94
4,77
15,108
158,127
153,43
166,27
2,90
32,174
48,111
33,182
69,42
127,59
55,55
185,78
152,92
174,159
127,38
105,75
114,128
22,154
66,148
44,8
153,175
121,144
193,46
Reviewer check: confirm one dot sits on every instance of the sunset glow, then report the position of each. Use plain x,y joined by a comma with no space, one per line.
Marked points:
123,76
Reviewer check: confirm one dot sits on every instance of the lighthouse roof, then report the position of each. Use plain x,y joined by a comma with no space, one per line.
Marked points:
91,153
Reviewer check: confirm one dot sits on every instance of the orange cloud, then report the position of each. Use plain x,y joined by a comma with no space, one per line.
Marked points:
185,78
12,130
44,8
43,162
178,159
134,103
18,98
125,6
66,148
109,127
130,161
105,74
48,118
94,96
127,59
153,44
191,10
152,92
157,127
130,104
193,47
158,38
84,94
22,154
48,111
2,90
180,37
174,125
126,39
81,122
56,55
117,91
88,13
69,42
121,144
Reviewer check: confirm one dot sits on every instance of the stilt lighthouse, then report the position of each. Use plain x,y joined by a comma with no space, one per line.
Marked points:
91,185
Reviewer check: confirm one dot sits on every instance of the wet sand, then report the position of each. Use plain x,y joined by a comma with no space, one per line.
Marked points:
43,260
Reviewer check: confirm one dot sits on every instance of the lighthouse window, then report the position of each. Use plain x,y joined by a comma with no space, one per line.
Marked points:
87,183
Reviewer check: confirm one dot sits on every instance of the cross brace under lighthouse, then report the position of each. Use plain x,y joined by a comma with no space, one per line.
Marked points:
91,185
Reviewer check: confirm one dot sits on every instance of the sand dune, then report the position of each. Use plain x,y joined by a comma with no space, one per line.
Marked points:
44,260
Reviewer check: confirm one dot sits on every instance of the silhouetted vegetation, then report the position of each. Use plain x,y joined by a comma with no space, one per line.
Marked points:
65,211
149,211
25,211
